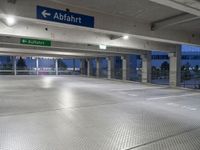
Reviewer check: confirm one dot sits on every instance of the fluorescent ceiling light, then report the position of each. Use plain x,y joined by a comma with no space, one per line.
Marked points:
10,20
101,46
125,37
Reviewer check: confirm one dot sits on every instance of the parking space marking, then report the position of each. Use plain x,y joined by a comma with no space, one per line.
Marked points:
133,95
174,96
131,89
183,107
129,94
122,92
189,108
173,104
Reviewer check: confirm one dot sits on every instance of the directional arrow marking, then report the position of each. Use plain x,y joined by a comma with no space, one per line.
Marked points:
45,14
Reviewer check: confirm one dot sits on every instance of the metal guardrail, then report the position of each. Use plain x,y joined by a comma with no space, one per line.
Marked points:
103,73
40,72
68,72
6,72
135,75
160,77
190,79
163,74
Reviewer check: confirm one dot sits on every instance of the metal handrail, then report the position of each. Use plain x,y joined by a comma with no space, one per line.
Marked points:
190,79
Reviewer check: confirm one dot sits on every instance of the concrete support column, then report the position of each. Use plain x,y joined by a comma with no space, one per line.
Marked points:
15,65
37,66
110,67
97,67
146,67
84,64
56,66
175,68
125,67
81,66
74,65
88,67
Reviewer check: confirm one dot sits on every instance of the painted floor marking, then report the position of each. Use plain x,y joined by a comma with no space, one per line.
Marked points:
183,107
142,88
134,95
174,96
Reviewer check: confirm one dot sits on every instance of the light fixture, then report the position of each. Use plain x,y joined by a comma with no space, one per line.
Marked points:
102,46
125,37
10,20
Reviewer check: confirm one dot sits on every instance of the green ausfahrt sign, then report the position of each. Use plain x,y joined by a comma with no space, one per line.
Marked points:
36,42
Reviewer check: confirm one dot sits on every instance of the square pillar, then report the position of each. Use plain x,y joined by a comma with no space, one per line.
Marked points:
125,67
111,67
88,67
146,67
97,67
175,68
37,66
56,66
74,65
15,65
81,66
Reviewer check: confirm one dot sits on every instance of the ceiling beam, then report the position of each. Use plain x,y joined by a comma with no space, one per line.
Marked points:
14,42
66,35
41,55
174,20
40,52
115,37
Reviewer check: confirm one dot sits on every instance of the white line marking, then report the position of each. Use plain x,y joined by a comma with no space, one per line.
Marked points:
122,93
166,97
173,104
189,108
183,107
125,93
143,88
134,95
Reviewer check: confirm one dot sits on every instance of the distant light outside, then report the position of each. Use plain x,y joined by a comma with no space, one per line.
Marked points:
190,48
184,48
10,20
102,46
125,37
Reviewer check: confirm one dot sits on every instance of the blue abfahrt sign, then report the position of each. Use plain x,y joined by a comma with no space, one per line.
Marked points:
55,15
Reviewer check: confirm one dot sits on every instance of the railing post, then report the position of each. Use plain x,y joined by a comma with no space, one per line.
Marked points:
56,66
37,66
15,65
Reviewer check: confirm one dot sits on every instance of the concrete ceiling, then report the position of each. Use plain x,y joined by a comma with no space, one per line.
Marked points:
189,6
145,11
193,26
141,10
134,18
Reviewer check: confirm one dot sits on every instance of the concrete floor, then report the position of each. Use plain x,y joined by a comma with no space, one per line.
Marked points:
75,113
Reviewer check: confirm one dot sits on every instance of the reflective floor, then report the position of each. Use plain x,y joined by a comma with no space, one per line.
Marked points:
75,113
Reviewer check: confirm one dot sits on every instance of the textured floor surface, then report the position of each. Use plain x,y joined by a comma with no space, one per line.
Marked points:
75,113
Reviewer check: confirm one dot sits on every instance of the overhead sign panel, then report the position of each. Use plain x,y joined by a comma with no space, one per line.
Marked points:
36,42
55,15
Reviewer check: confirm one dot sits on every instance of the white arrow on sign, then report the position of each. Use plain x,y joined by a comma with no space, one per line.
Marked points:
45,14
